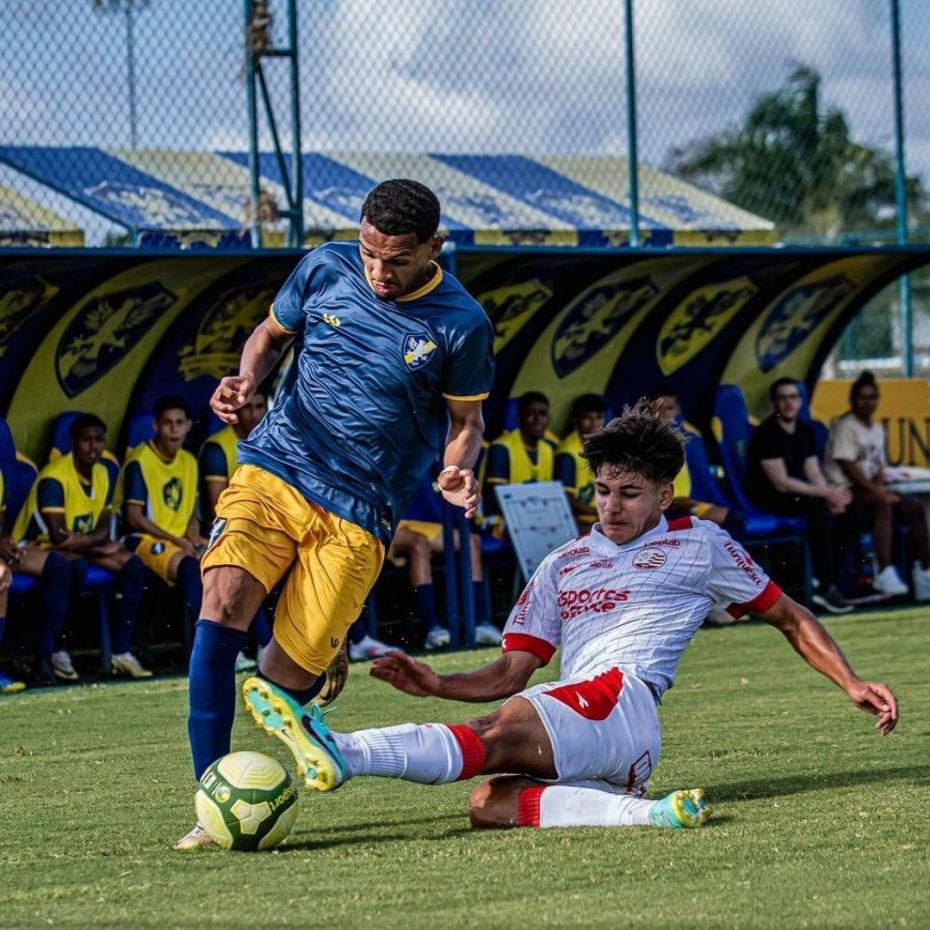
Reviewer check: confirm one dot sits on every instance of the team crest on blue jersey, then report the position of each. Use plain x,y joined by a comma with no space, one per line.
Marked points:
418,350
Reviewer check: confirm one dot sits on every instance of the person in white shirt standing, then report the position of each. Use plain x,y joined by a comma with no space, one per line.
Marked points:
623,603
856,459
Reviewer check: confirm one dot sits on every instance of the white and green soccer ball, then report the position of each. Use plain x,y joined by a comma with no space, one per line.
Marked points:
246,801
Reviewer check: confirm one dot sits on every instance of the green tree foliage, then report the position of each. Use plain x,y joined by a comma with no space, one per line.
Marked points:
793,161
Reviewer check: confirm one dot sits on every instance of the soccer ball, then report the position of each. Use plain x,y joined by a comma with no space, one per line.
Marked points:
246,801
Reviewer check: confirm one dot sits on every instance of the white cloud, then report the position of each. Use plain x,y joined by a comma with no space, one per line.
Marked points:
457,75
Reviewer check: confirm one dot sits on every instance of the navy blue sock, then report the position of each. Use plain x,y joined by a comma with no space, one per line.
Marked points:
78,574
301,697
53,591
260,628
128,588
191,583
212,691
426,604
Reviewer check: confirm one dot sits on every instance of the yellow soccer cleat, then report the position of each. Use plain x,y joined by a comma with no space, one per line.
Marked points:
9,686
301,729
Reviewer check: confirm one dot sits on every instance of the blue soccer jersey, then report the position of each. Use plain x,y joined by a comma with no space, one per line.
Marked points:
362,412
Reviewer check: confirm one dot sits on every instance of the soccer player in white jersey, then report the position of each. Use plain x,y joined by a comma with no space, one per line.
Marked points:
623,603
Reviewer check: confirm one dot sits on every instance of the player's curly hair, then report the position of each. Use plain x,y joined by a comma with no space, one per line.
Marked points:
638,442
400,206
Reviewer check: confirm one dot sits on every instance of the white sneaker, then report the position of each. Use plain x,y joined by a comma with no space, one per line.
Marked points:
244,663
196,839
921,579
486,634
888,581
62,667
125,663
437,638
367,648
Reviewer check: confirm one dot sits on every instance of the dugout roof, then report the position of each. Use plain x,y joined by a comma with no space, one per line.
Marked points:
181,199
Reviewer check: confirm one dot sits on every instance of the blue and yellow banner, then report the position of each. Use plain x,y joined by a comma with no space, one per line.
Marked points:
111,332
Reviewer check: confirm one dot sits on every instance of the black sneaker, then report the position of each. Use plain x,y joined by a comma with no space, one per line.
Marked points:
831,600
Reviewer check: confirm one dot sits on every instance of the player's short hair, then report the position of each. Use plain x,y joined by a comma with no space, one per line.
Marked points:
866,379
171,402
400,207
82,422
588,403
780,382
638,442
530,397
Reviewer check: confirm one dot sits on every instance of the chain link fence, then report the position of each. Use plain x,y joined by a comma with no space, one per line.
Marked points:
128,122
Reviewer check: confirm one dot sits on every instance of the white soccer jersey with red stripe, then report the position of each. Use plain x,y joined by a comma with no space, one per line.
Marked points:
636,606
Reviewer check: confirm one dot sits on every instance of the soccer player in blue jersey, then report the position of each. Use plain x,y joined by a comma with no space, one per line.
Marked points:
392,361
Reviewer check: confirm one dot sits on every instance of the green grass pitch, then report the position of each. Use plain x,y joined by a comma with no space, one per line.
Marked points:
818,822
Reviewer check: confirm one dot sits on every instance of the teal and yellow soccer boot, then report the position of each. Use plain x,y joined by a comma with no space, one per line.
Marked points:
302,729
680,810
9,686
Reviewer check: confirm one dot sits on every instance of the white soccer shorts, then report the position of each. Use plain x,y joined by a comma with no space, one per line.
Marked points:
604,730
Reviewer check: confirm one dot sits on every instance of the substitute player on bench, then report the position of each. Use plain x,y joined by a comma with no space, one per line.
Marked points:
393,359
623,603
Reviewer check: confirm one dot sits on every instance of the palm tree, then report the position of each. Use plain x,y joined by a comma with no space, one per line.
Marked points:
795,163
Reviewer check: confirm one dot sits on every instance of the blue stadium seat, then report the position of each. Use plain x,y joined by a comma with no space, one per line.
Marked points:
140,428
21,585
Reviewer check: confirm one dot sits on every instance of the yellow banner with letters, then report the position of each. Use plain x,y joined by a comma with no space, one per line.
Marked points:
903,410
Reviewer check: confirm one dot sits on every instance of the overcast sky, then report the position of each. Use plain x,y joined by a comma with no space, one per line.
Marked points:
530,76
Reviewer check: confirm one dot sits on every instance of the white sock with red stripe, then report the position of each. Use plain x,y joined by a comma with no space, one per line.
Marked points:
432,754
565,806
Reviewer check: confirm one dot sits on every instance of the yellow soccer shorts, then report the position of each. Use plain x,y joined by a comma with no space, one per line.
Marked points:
266,527
156,554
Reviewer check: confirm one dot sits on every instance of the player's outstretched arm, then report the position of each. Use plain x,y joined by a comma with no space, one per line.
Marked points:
818,648
463,443
259,355
502,678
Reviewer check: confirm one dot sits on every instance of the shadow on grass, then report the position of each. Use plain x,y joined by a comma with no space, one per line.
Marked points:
814,781
353,834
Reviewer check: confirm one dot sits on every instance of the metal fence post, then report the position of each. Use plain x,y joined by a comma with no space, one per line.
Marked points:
632,142
900,186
